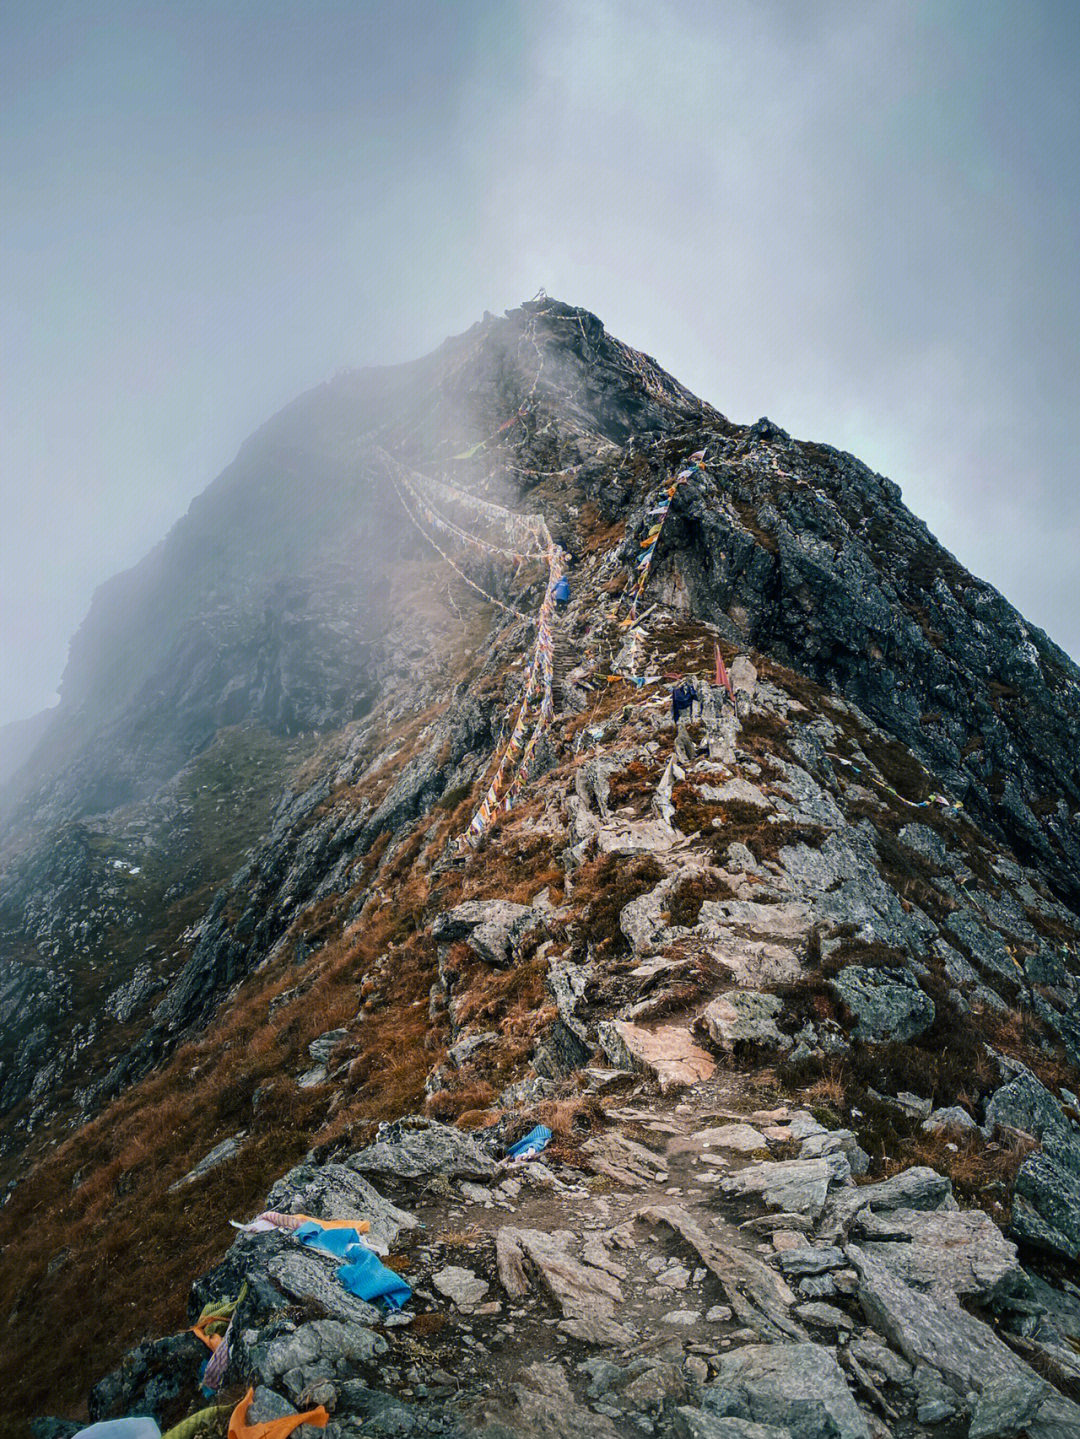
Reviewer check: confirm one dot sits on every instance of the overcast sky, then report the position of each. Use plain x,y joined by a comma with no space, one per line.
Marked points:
858,217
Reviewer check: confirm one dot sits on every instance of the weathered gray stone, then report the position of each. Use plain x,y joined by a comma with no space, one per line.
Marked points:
745,1016
587,1296
951,1117
337,1191
328,1341
986,945
824,1316
148,1380
461,1286
1023,1408
628,1163
689,1423
303,1274
800,1186
543,1406
422,1149
963,1350
944,1252
218,1155
759,1298
1046,1198
836,1141
1027,1105
786,921
811,1260
799,1388
886,1003
916,1188
492,928
876,1356
754,963
741,1138
323,1047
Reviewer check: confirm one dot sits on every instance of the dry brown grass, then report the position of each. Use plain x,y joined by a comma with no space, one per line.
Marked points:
982,1174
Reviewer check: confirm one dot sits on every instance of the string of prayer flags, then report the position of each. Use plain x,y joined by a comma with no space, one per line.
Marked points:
657,514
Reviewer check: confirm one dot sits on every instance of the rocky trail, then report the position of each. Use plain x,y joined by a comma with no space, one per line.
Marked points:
665,1278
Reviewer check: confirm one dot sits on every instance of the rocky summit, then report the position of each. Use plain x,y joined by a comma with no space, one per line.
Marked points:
708,1074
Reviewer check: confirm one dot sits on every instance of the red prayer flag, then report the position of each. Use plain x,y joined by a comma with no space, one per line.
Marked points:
722,676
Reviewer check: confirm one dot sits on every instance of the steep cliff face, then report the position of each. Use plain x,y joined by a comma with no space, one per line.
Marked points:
237,912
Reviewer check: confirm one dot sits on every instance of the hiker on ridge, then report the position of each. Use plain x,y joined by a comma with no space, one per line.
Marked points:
683,697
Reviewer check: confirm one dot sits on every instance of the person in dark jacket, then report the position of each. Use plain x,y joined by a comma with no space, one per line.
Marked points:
683,698
561,593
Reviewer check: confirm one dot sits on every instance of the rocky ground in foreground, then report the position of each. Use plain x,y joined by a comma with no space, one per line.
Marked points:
676,1276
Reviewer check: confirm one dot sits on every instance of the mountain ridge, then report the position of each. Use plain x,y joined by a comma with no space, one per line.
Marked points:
883,834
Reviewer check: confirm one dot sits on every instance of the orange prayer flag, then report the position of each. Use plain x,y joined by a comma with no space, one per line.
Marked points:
239,1428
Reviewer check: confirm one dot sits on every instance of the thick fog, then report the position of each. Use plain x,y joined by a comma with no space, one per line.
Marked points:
856,216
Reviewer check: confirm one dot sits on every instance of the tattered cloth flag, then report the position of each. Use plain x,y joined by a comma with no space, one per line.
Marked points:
722,676
239,1428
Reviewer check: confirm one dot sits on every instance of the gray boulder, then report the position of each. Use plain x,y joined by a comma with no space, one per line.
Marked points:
916,1188
322,1349
1009,1408
949,1252
1025,1104
745,1016
952,1117
492,928
420,1149
796,1186
689,1423
149,1379
887,1003
1046,1198
799,1388
338,1191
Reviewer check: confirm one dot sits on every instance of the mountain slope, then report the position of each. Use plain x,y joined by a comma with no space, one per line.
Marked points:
292,706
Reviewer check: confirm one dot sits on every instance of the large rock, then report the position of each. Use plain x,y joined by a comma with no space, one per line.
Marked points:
588,1296
916,1188
337,1191
796,1186
305,1275
927,1330
636,836
543,1406
323,1348
689,1423
461,1286
149,1379
1027,1105
758,1296
754,963
951,1252
1046,1197
1025,1408
492,928
419,1149
745,1017
789,920
663,1051
1012,1401
887,1004
799,1388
